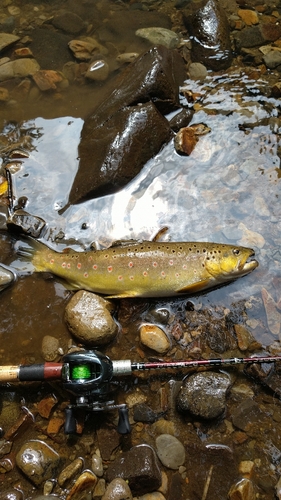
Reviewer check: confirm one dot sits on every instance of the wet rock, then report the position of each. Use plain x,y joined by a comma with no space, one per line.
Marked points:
88,318
170,451
97,465
7,39
98,71
209,30
197,71
154,338
255,36
104,168
137,397
118,489
159,36
185,141
47,79
19,68
37,461
5,447
50,347
139,467
181,119
115,153
70,472
7,276
243,490
69,22
203,394
46,405
26,223
11,494
100,488
86,482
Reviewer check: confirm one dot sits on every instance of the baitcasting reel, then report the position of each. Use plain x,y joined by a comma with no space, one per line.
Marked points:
86,375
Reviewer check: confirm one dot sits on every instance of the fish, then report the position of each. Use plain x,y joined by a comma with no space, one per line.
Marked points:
144,268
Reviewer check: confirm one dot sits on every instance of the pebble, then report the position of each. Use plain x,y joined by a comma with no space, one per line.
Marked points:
19,68
7,39
272,59
86,481
170,451
185,141
248,16
127,57
50,347
197,71
100,488
38,461
137,397
47,79
98,70
118,489
245,340
85,49
154,338
159,36
89,320
203,394
70,471
97,465
243,490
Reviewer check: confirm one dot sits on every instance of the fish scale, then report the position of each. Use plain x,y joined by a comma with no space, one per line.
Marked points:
146,269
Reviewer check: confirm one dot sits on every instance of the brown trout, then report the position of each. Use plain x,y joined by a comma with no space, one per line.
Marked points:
146,269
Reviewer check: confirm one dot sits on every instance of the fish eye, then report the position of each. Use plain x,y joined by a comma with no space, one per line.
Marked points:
236,251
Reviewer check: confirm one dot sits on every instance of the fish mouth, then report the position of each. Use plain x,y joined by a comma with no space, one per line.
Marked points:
249,265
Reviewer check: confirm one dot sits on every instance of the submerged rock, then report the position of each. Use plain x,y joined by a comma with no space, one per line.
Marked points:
118,489
159,36
7,276
7,39
210,36
18,68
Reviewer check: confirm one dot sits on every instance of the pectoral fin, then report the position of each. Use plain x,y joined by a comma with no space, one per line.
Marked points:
195,287
124,295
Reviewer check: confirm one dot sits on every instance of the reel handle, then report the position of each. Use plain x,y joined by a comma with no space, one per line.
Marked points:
123,425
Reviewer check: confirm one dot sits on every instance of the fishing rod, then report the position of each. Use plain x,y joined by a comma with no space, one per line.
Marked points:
86,375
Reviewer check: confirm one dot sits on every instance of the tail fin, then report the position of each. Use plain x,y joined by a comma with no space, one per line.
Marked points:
29,248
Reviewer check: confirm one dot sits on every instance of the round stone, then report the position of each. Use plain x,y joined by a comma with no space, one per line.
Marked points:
170,451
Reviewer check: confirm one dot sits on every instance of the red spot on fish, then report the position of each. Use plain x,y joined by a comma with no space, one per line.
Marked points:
177,275
171,262
132,278
163,274
90,258
52,261
109,269
155,264
120,277
95,267
79,265
68,265
63,264
145,273
86,275
130,264
184,266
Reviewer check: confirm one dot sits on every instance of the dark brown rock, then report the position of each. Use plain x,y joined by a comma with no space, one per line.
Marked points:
57,54
139,467
109,440
69,22
116,152
210,36
122,135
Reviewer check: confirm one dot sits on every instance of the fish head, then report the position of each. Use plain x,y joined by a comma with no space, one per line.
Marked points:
230,262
